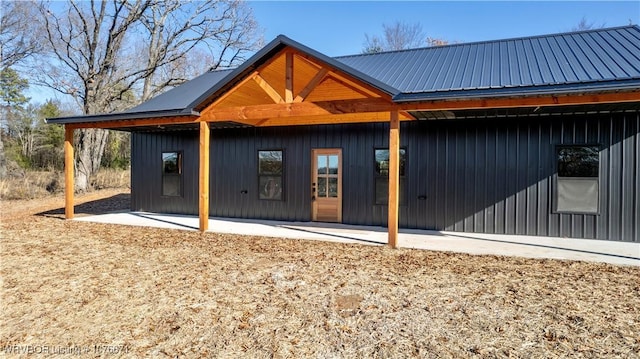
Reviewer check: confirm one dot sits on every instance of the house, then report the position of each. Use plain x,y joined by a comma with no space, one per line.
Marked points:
527,136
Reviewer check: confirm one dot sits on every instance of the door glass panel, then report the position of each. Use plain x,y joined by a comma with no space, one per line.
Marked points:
333,164
333,187
322,164
322,187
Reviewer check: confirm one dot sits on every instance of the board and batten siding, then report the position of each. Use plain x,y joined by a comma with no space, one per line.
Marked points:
474,175
146,171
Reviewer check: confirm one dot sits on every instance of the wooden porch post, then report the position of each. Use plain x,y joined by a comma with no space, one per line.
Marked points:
69,184
204,176
394,175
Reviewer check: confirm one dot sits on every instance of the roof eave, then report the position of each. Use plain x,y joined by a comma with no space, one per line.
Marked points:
122,116
547,90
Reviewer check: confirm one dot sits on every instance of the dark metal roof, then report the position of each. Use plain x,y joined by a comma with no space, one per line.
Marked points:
585,60
181,97
574,62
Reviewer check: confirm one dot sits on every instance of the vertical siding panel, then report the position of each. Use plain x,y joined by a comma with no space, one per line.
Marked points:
490,180
544,173
615,178
303,170
135,165
511,180
521,171
500,185
533,144
467,202
602,221
480,163
411,180
450,181
627,180
432,174
440,173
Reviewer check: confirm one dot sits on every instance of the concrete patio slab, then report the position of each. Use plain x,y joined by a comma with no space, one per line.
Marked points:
623,253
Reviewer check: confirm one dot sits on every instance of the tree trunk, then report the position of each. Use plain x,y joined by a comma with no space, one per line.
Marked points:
90,149
3,161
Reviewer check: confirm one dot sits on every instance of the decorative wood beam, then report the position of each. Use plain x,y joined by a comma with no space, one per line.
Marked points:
394,176
327,119
443,105
298,109
264,85
69,184
313,83
288,89
203,203
154,121
406,115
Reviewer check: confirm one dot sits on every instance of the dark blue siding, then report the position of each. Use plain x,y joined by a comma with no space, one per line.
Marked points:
483,175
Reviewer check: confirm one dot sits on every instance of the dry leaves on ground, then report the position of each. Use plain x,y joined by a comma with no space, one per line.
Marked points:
170,293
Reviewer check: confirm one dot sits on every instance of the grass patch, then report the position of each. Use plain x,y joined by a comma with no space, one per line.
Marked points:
40,184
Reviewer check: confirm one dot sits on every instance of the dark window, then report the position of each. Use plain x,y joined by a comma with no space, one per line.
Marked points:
382,176
270,170
578,161
577,184
172,173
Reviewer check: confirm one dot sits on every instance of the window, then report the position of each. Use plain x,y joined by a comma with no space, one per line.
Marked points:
270,169
172,174
577,184
382,176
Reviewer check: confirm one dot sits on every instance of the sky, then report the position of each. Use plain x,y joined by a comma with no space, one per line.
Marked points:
338,27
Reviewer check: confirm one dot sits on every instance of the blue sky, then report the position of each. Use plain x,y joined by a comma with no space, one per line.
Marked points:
339,27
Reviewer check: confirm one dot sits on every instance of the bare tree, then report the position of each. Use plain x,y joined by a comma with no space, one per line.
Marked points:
18,35
18,41
584,24
93,60
177,29
400,36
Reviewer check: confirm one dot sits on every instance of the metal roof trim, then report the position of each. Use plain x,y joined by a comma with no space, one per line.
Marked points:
119,116
562,89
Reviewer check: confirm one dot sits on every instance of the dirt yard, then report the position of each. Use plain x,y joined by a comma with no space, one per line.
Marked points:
115,291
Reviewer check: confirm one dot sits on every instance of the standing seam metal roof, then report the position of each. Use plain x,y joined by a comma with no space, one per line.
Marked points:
570,58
